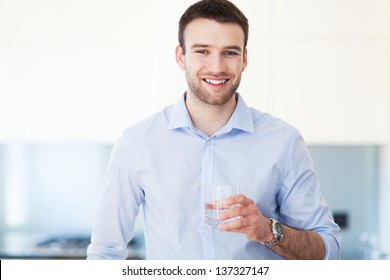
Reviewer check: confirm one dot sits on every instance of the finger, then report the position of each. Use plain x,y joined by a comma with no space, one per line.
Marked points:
238,225
239,210
235,210
247,226
237,199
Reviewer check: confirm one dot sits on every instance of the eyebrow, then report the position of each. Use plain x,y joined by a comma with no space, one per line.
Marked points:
233,47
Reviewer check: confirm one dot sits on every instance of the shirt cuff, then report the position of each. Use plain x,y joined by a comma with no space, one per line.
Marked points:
332,246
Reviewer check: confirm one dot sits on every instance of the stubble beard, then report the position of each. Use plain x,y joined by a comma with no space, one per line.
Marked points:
207,98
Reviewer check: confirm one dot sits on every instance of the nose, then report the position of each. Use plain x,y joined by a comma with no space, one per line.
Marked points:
216,64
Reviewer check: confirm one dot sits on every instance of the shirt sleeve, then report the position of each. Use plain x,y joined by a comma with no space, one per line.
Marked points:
301,203
117,208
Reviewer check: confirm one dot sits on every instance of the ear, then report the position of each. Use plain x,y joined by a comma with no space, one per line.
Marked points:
180,57
245,59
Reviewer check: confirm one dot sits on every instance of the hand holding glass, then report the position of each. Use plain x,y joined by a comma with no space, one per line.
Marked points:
215,196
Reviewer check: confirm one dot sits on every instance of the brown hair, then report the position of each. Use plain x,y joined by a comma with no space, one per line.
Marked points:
222,11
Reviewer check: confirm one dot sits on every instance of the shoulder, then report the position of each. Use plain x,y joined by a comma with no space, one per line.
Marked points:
140,136
143,133
150,125
267,123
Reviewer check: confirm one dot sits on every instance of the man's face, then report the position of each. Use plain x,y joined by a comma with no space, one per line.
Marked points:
214,59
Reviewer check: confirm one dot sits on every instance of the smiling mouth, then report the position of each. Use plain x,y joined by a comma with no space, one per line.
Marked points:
215,82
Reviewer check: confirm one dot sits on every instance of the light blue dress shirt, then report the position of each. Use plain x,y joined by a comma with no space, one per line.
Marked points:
164,165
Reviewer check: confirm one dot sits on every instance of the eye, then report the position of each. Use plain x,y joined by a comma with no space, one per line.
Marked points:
202,51
230,53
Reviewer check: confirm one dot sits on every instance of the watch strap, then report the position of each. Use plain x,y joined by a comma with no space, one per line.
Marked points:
277,237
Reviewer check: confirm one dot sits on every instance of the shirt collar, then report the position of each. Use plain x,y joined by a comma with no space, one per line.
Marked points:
241,118
179,116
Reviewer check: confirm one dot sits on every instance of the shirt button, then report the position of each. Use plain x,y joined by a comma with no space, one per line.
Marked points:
208,142
206,182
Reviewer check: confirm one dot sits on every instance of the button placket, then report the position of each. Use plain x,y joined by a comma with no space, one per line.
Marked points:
206,181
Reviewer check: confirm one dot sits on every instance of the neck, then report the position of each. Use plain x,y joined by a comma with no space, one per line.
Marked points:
209,118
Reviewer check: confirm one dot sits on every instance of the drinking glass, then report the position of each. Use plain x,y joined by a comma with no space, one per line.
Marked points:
215,195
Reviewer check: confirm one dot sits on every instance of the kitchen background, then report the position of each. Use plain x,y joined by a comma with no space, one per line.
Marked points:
74,74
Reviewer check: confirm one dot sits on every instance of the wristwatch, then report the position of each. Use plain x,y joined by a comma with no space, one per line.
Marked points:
277,231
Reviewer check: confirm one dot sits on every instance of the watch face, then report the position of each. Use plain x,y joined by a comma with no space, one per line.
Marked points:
279,228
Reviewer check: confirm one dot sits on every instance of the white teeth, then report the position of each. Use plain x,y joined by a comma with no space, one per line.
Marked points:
216,82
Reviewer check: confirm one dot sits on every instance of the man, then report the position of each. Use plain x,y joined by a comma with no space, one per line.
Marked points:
211,136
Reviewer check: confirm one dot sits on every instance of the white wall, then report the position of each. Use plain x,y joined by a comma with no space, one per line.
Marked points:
321,66
82,70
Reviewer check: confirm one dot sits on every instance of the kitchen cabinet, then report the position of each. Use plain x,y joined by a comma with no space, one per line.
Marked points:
27,246
69,73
